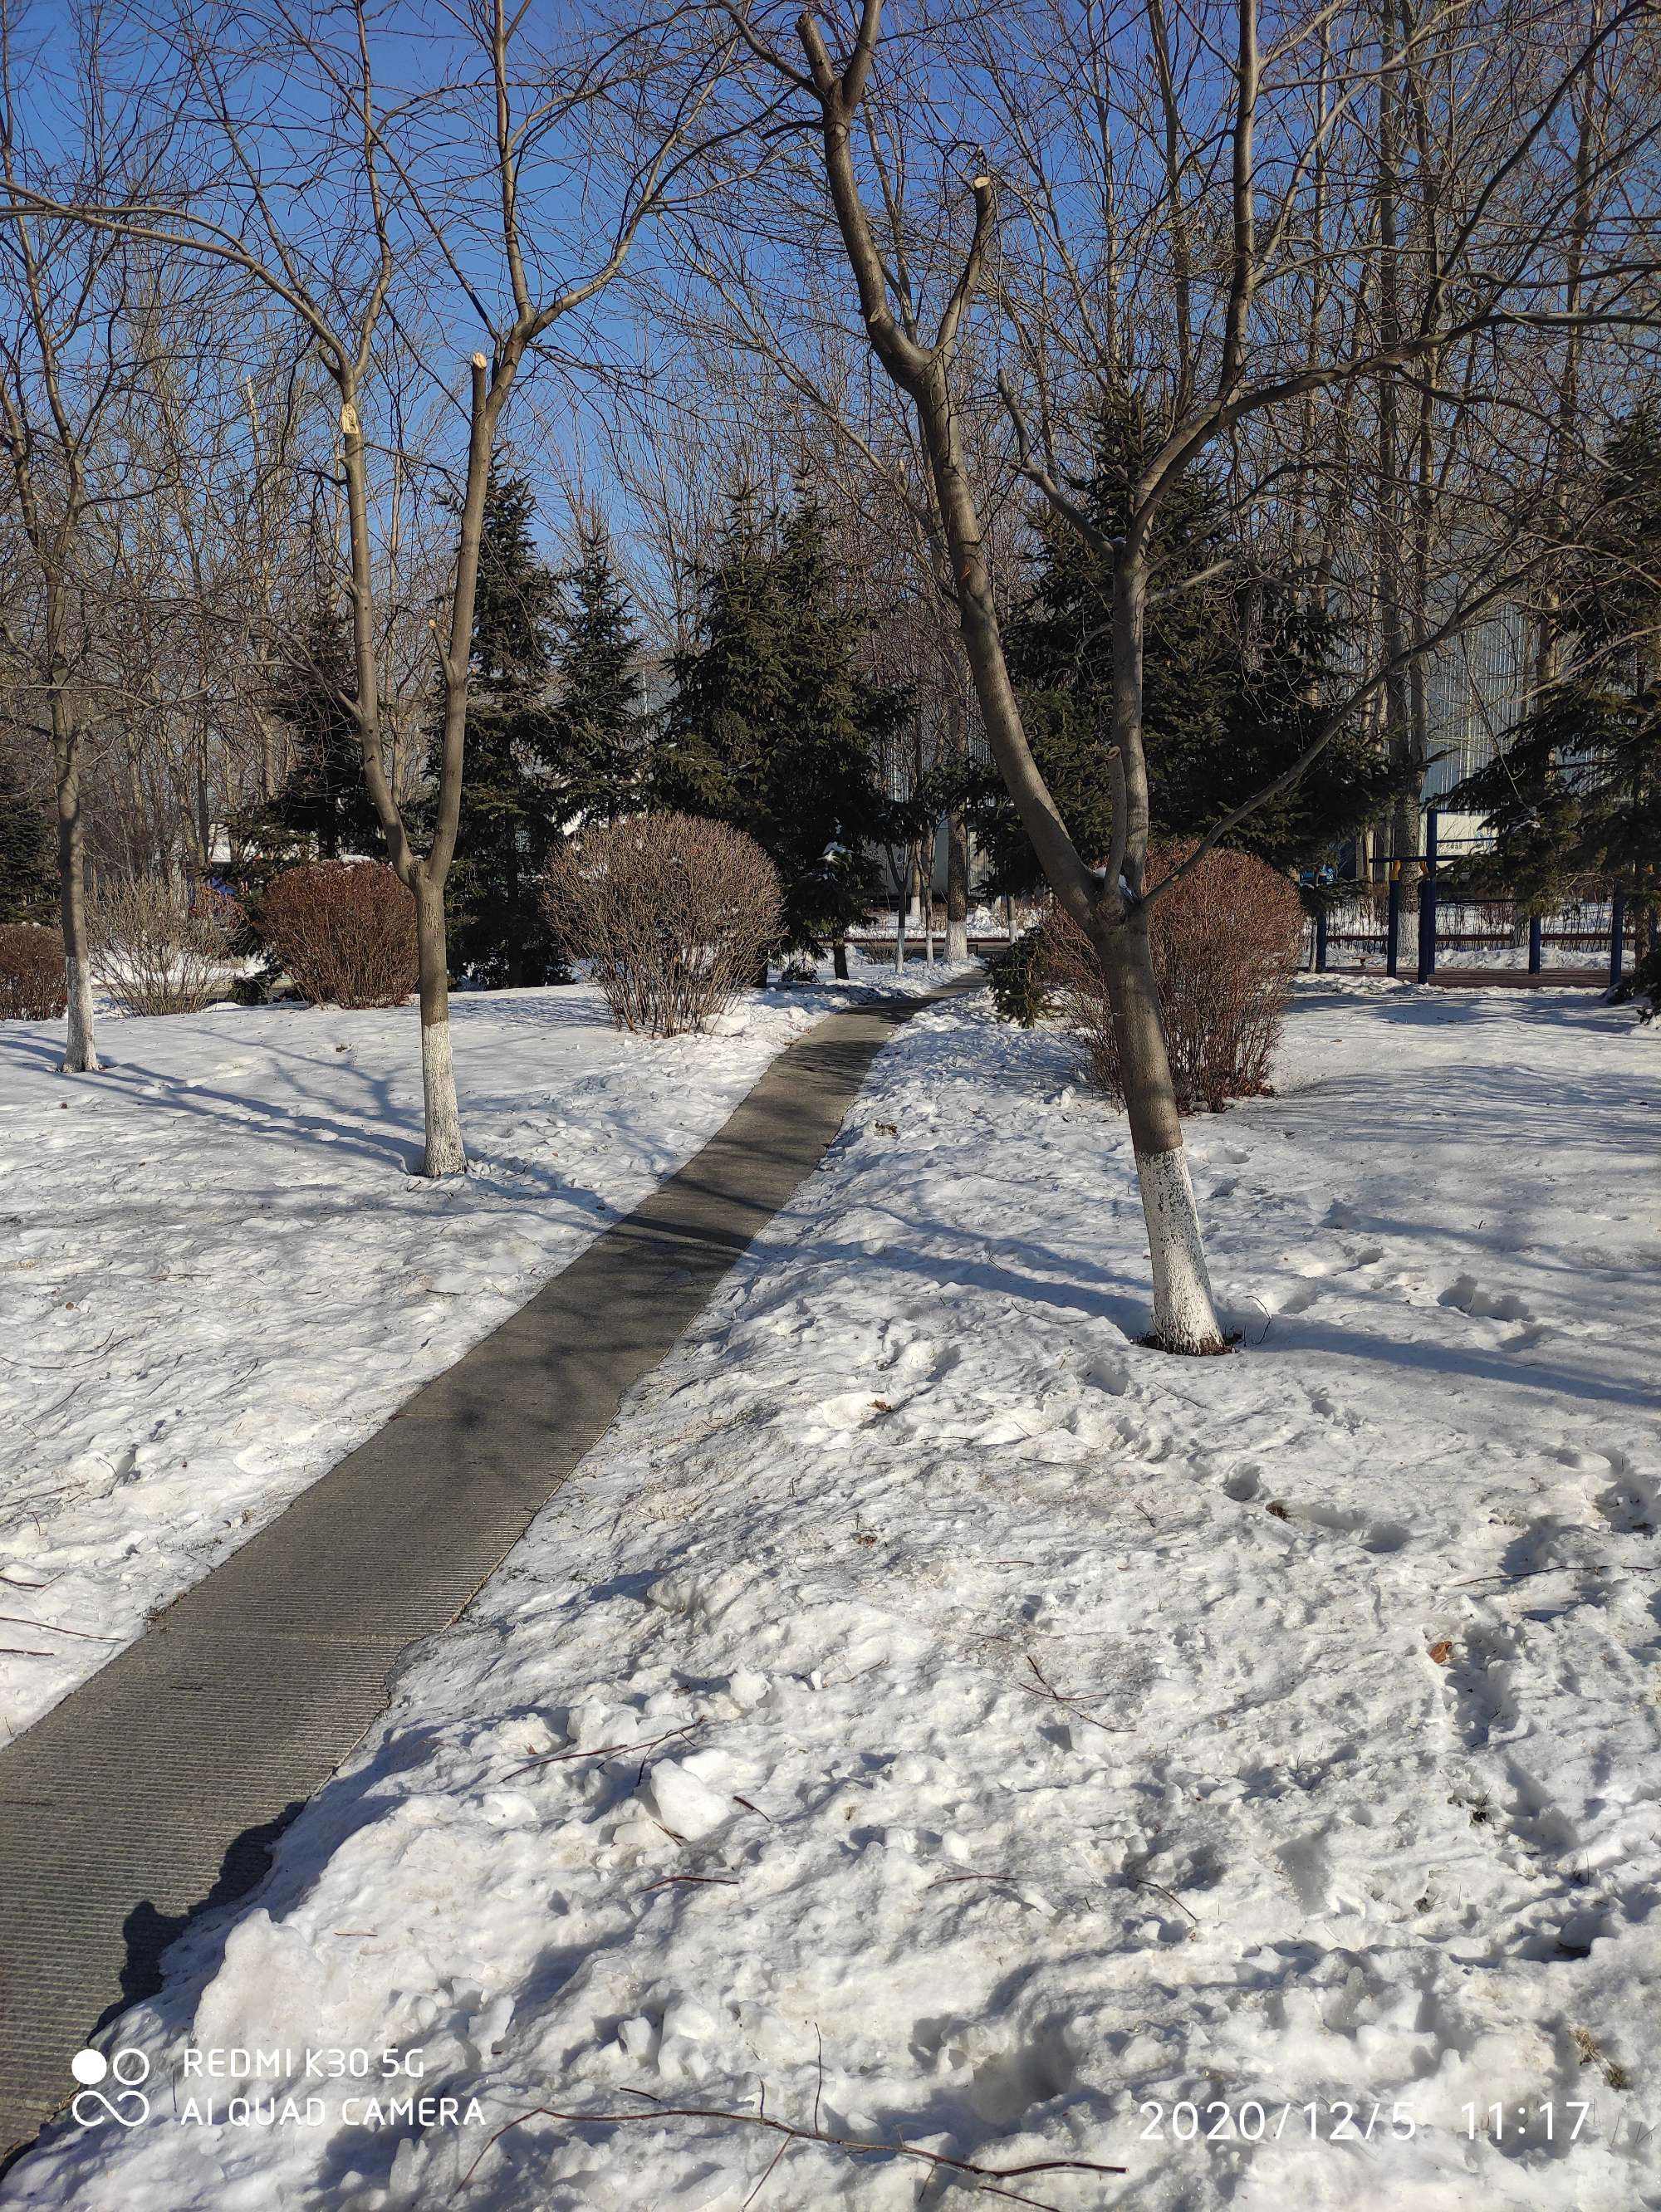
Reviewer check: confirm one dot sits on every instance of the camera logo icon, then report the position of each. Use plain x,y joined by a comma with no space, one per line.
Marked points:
127,2106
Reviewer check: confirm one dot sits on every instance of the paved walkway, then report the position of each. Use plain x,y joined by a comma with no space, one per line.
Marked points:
158,1787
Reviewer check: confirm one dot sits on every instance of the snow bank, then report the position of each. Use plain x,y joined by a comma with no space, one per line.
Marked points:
217,1274
934,1713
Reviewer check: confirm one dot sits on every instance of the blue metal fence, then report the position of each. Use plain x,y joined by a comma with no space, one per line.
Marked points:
1599,927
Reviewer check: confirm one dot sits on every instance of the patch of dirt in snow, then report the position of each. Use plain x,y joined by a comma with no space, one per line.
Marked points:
933,1710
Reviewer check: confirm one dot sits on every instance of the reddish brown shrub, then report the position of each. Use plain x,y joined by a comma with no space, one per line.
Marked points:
344,930
32,982
676,913
1225,942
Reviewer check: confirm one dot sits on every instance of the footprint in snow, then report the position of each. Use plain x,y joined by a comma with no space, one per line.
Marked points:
1630,1505
1467,1295
1530,1339
1371,1535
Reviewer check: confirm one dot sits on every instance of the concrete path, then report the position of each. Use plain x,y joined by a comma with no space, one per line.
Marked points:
158,1787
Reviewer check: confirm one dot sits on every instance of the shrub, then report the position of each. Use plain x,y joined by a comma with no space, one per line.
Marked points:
1225,942
676,914
33,987
156,954
344,930
1021,990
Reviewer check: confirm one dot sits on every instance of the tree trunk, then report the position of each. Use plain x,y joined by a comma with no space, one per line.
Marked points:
515,969
1112,911
1184,1316
839,959
957,887
80,1048
445,1154
1405,816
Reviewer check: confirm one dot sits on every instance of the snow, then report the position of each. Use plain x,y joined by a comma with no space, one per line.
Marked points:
219,1273
935,1712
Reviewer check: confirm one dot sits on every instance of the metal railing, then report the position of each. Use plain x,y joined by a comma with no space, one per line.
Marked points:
1604,938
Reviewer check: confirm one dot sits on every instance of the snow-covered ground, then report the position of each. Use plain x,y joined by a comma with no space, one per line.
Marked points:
217,1275
930,1715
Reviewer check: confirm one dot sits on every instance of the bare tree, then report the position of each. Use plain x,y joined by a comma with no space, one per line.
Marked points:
63,383
1192,287
468,193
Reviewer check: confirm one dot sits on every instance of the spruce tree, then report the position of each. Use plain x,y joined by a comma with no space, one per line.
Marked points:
773,728
324,800
1234,672
1574,791
498,931
591,738
28,864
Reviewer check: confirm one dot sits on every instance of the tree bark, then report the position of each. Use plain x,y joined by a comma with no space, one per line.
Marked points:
80,1046
957,887
445,1154
1184,1316
1399,738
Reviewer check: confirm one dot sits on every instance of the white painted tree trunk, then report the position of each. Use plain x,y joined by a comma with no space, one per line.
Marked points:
899,937
80,1048
1185,1318
445,1154
957,942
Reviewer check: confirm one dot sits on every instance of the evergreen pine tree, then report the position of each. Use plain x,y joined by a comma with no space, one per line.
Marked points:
1234,672
773,729
1575,790
498,931
28,864
590,739
323,799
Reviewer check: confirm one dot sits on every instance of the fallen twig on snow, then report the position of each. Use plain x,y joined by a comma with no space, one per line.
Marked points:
1569,1567
989,2176
1136,1883
598,1751
1069,1702
51,1628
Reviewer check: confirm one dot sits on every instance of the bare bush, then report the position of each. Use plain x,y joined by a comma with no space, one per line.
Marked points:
344,930
33,986
156,953
676,914
1226,941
